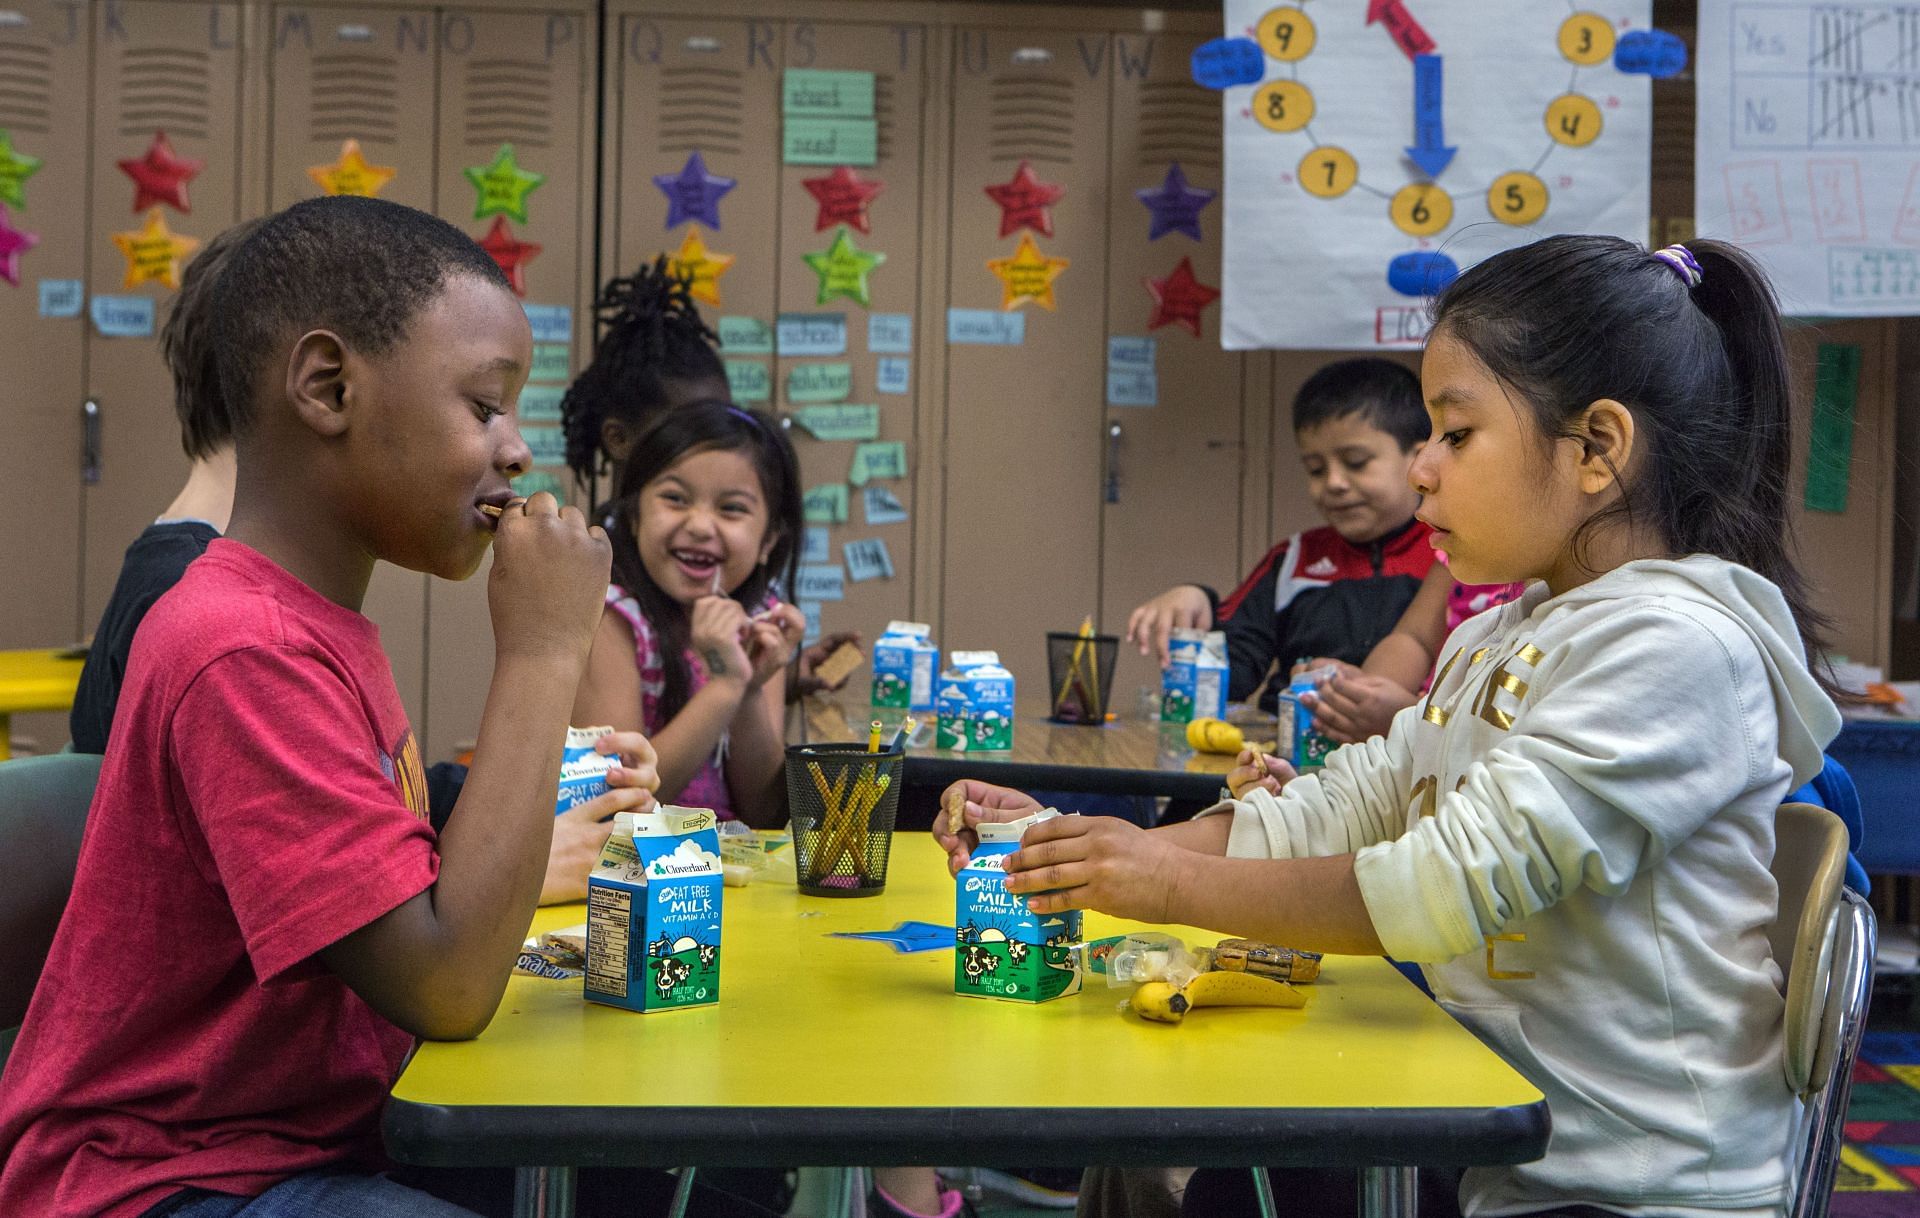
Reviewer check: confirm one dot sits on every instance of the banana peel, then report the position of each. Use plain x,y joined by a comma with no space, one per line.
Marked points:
1163,1002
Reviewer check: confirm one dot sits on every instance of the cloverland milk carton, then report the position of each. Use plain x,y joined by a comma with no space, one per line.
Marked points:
975,704
583,772
905,661
653,912
1002,950
1194,685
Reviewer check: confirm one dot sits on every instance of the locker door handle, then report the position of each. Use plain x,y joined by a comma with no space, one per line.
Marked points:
1113,462
90,442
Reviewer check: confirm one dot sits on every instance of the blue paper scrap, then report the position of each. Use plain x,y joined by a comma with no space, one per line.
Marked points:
867,559
811,334
541,403
549,444
987,327
905,936
810,610
883,506
62,297
1132,386
1127,351
816,545
1225,62
893,374
820,582
550,323
890,333
1654,53
123,316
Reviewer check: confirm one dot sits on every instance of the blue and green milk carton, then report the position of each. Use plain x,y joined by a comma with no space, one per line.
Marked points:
1309,749
905,662
1194,685
1002,949
975,704
653,912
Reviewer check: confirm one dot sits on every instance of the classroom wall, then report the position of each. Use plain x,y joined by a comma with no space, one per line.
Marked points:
1030,500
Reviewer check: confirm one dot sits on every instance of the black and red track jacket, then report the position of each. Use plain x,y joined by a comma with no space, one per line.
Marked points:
1318,594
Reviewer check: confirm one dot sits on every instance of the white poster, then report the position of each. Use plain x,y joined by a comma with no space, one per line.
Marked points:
1392,143
1807,150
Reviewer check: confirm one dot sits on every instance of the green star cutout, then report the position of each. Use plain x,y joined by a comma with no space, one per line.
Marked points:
15,169
843,269
502,187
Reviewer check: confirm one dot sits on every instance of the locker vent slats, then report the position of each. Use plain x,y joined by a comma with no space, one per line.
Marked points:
699,109
509,101
26,87
1179,121
354,95
164,88
1032,120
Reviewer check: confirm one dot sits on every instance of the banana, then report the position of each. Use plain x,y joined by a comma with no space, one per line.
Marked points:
1214,736
1161,1002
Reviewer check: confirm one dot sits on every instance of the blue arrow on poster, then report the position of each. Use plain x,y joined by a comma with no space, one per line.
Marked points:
1429,151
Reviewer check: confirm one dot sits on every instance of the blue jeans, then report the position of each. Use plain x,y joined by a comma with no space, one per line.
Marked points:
317,1194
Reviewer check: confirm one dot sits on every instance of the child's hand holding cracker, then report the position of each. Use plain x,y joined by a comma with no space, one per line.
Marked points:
548,586
964,805
1257,769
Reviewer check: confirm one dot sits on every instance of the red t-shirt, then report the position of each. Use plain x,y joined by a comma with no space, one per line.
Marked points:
261,798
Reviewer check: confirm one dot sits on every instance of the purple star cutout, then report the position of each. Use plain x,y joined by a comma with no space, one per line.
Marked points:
1175,205
693,193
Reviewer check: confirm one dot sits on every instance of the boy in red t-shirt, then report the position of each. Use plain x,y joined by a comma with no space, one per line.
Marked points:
262,919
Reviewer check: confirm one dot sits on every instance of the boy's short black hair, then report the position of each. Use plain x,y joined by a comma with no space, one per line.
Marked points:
1380,391
359,267
192,348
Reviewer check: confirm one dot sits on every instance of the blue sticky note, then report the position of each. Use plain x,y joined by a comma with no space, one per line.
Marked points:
123,316
1225,62
890,333
1127,351
988,327
1132,386
823,582
1654,53
810,610
811,334
867,559
816,545
541,403
550,323
883,506
893,374
61,297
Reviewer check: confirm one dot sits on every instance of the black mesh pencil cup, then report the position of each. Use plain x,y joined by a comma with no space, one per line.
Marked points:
843,800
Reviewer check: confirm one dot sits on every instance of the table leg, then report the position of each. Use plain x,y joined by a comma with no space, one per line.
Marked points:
6,737
1389,1192
543,1192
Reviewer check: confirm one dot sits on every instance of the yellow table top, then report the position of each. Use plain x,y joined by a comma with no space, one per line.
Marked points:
42,680
857,1042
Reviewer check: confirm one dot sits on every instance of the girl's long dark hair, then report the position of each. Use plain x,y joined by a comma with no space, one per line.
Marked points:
1571,320
650,333
700,427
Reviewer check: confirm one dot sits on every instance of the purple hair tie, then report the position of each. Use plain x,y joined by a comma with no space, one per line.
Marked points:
1683,263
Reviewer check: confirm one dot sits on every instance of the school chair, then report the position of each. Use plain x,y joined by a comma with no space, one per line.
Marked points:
43,808
1824,941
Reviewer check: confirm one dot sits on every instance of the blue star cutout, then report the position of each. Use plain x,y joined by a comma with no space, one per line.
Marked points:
693,193
1175,205
906,936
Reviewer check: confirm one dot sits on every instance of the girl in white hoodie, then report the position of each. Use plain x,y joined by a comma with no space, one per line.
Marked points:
1583,804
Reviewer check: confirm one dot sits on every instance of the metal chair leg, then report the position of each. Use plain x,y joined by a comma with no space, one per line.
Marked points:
1389,1192
1263,1193
682,1193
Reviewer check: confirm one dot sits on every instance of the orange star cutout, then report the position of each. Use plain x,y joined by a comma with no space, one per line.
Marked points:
154,254
351,175
1028,275
704,266
510,253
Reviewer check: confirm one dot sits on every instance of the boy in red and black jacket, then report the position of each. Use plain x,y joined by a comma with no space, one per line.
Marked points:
1338,589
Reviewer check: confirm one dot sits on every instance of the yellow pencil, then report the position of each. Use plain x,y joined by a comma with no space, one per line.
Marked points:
873,737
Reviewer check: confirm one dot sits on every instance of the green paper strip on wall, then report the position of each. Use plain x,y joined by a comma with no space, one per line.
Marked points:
820,383
826,504
551,362
881,459
830,141
745,336
1836,386
813,93
840,422
749,380
541,403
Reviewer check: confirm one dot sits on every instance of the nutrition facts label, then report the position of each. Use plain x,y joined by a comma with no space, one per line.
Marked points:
609,915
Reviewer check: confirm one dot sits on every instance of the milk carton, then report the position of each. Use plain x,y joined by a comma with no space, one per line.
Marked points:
1194,685
905,659
653,912
1002,950
583,772
1308,748
975,704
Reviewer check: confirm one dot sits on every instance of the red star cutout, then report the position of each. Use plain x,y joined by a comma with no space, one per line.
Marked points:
1024,202
1179,297
160,176
510,252
843,196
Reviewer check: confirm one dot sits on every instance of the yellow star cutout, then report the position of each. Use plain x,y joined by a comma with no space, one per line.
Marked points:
703,266
154,254
351,175
1028,275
